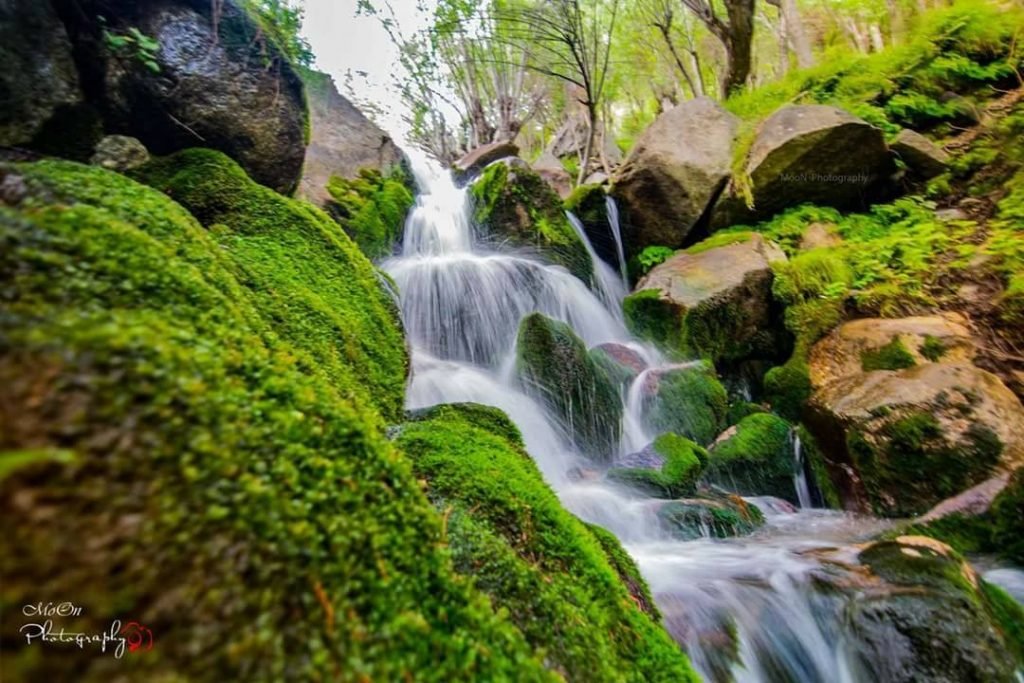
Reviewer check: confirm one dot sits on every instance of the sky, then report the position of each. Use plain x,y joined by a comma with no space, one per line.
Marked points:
358,45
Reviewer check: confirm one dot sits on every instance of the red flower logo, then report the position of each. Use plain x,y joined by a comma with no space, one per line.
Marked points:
137,636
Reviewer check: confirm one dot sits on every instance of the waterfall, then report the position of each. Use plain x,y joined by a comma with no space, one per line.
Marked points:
745,609
803,491
610,288
612,209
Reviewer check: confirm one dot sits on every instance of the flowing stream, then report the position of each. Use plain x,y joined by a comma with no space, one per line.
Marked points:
744,608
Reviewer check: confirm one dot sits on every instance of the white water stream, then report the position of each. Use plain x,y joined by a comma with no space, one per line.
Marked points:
462,303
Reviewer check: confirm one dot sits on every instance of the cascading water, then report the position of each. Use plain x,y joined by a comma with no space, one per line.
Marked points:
743,608
612,209
803,490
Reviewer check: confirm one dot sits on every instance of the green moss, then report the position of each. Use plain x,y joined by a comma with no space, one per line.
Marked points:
646,260
303,273
1008,514
932,348
892,356
693,518
553,363
756,460
371,208
815,459
908,466
652,317
678,475
516,205
541,565
1008,614
627,570
588,203
787,388
253,514
688,401
740,409
12,461
722,238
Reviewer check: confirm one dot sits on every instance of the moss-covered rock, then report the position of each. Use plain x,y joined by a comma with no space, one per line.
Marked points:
554,576
675,476
898,442
715,516
627,570
589,203
371,208
687,400
929,617
228,487
291,254
756,459
712,300
553,364
513,204
621,363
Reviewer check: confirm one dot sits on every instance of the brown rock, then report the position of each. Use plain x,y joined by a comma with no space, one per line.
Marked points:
554,174
923,158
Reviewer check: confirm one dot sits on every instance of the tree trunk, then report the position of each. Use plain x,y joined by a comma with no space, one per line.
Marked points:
796,32
738,41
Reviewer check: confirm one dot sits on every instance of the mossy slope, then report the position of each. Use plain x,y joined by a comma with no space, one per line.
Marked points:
549,571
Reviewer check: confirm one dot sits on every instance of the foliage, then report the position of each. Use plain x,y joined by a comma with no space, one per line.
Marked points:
650,257
280,22
371,208
539,563
892,356
132,44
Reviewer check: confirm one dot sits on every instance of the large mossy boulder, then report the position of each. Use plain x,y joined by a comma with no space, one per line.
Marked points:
687,399
675,170
513,205
667,468
215,79
897,442
811,153
343,143
338,307
754,458
371,208
870,344
39,87
554,364
178,447
570,589
713,300
923,614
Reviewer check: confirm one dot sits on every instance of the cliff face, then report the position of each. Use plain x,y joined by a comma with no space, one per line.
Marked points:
342,139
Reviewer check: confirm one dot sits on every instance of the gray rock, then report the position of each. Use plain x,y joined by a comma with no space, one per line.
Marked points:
342,139
551,170
677,167
475,160
923,158
119,153
810,154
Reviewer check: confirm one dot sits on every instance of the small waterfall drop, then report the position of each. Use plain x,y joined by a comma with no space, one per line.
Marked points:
745,609
612,209
803,490
610,288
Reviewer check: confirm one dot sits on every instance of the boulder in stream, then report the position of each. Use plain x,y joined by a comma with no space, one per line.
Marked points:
709,516
686,399
554,365
667,468
713,300
754,458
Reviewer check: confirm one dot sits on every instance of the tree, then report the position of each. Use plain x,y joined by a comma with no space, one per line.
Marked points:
572,44
735,33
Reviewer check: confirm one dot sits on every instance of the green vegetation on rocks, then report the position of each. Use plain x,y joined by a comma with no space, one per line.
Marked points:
756,460
301,271
514,204
252,512
892,356
721,517
689,401
554,364
371,208
677,476
552,575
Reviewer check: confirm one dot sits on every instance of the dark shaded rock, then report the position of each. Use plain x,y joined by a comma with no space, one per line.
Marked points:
923,157
810,154
38,77
119,153
675,170
622,363
217,83
717,516
899,442
342,140
554,365
712,301
475,160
